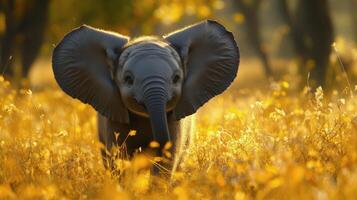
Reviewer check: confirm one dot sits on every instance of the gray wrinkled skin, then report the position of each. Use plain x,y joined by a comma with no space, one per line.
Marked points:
147,84
148,61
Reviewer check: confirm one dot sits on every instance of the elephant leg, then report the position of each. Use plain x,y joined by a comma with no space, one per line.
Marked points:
102,133
124,147
112,136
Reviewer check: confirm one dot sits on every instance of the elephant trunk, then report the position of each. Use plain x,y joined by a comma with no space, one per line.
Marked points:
155,99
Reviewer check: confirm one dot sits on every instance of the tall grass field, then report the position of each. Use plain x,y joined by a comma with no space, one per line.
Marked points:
247,144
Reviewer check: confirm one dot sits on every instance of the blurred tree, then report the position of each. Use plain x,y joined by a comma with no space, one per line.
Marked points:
312,34
25,25
296,37
250,9
132,17
353,7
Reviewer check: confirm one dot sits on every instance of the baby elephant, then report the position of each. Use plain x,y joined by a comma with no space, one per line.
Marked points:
146,84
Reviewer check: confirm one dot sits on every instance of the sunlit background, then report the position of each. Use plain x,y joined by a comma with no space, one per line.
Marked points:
285,129
276,37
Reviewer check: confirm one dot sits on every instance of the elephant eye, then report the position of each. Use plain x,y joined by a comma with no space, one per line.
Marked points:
176,79
128,79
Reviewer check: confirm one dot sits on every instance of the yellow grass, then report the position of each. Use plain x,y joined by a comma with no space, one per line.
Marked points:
273,144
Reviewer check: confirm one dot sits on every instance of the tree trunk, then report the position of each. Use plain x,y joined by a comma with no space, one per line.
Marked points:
353,6
311,31
8,39
253,28
315,25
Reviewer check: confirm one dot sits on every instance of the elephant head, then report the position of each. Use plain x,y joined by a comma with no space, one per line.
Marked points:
149,76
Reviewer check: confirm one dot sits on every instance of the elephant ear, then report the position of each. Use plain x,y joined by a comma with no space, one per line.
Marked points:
210,56
81,63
